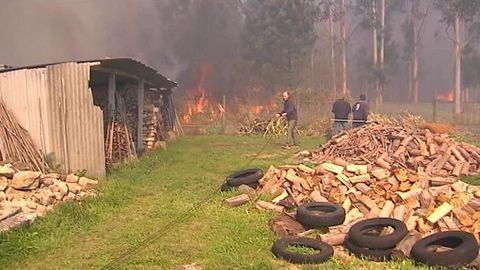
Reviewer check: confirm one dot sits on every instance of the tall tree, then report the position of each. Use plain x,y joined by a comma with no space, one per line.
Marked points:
412,28
278,39
455,13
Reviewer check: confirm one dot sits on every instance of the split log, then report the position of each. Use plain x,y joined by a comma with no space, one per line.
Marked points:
426,199
332,168
362,187
457,155
399,212
360,169
403,249
340,162
382,163
440,212
457,169
280,197
409,194
317,197
263,205
387,209
284,225
333,239
442,161
359,179
475,204
352,216
306,169
432,149
237,200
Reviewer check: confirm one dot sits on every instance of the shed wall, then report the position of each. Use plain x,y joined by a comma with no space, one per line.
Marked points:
55,105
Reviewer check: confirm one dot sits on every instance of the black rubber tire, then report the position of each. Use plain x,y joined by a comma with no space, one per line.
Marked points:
464,249
318,215
244,177
378,255
279,249
225,187
358,233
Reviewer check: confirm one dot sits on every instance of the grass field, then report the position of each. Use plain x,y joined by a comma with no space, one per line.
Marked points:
138,199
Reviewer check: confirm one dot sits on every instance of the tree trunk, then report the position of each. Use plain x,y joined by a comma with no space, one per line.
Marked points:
343,23
414,54
332,51
375,44
457,108
382,52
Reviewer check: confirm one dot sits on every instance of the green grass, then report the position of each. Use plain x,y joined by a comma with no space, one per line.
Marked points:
137,200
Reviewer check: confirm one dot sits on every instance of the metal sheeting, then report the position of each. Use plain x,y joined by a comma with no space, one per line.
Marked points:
55,105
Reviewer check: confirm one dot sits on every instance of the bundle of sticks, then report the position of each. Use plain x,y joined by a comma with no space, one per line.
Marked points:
256,126
16,143
416,150
426,204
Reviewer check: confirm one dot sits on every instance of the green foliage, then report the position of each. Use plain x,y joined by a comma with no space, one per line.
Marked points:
466,9
278,39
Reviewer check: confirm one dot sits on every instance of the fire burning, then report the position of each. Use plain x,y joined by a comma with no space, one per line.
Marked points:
198,102
200,106
448,97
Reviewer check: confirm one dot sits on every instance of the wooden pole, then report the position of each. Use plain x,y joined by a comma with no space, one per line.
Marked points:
112,88
140,106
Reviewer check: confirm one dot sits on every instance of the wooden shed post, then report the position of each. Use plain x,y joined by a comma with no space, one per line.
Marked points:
140,99
112,88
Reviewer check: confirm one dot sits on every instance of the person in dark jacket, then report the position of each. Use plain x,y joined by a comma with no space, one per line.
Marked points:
341,109
360,112
290,112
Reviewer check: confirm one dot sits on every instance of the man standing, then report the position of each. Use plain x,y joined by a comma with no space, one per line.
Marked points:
290,112
341,109
360,112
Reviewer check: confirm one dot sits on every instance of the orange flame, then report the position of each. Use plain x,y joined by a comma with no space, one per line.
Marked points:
198,103
448,97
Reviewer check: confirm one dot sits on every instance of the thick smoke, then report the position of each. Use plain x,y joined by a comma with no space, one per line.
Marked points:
174,36
178,36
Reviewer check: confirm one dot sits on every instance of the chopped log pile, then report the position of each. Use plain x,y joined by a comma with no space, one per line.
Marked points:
119,146
426,204
16,145
25,195
389,147
405,119
154,133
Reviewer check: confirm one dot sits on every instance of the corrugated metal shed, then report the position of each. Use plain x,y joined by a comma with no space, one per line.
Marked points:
55,104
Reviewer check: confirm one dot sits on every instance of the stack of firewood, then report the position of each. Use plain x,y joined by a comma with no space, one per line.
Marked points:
426,204
154,132
119,145
417,150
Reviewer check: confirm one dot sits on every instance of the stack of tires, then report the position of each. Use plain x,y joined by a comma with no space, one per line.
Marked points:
367,239
311,216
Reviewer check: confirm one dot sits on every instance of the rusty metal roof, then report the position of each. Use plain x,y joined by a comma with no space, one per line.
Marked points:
126,65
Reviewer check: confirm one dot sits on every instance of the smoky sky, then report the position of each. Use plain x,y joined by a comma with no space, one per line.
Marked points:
178,36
